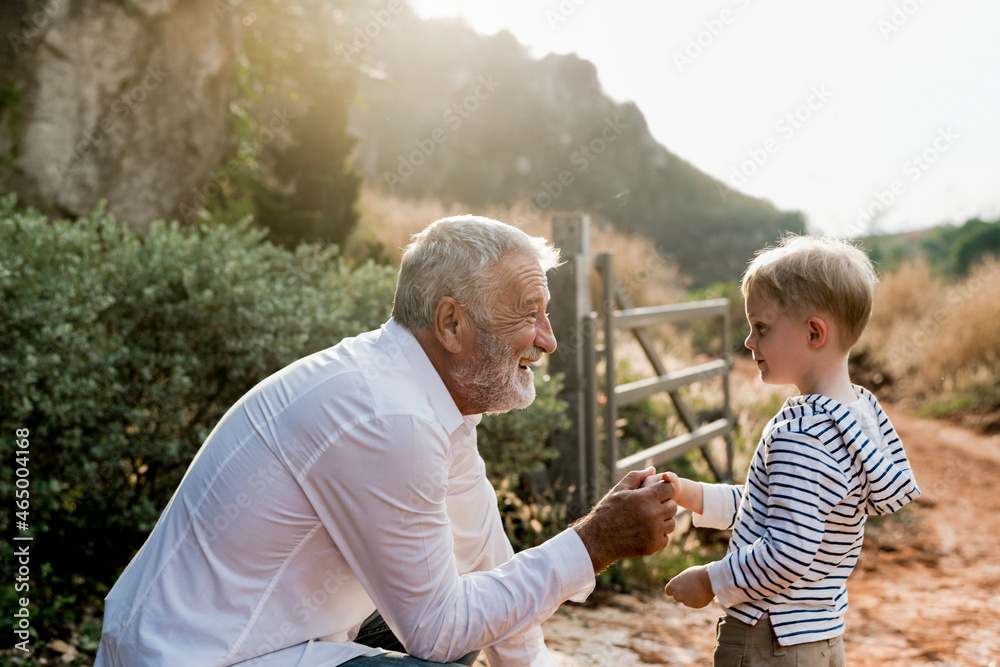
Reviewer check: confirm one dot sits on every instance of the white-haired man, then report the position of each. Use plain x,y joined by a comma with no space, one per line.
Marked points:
350,482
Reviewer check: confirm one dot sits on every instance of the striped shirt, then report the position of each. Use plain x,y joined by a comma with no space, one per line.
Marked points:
798,522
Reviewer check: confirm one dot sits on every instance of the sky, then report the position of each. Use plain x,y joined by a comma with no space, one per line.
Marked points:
869,116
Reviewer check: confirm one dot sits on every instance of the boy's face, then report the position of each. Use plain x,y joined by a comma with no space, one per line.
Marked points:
779,341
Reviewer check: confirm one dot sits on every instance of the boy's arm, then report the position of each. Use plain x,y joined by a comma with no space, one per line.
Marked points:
693,587
713,505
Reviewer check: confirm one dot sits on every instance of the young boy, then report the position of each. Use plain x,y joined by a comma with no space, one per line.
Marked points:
825,462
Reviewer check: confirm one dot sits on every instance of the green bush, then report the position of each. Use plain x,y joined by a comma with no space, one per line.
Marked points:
515,447
122,352
979,242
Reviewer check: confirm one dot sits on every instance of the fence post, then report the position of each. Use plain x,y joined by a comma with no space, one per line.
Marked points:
605,264
569,306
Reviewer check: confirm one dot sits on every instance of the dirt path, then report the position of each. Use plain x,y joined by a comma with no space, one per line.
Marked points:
926,590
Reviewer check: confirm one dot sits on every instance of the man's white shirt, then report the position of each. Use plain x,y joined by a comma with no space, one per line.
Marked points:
346,482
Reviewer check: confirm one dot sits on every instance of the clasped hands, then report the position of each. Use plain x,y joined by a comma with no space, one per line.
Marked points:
631,520
626,524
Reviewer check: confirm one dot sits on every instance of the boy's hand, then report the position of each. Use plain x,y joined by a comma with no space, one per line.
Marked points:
660,477
692,587
688,493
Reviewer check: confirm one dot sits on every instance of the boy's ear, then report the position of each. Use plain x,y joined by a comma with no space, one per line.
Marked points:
818,332
449,323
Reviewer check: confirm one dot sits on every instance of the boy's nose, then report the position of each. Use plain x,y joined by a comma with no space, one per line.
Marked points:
749,343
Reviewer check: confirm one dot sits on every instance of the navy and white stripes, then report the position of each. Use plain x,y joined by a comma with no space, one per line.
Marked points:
798,522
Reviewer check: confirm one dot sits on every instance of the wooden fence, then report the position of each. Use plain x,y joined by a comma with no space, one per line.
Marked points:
590,458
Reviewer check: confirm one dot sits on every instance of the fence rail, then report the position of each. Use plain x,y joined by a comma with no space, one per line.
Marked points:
633,392
675,447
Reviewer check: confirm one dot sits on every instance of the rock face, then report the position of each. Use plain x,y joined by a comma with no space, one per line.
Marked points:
124,101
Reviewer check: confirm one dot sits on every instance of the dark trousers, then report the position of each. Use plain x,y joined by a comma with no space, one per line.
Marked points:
375,633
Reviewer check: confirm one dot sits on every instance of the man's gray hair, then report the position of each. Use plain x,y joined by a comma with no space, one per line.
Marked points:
455,257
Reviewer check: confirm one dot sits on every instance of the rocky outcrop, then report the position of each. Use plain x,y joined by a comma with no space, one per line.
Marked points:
118,100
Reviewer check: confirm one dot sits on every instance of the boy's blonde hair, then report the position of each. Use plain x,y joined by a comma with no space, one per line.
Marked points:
805,275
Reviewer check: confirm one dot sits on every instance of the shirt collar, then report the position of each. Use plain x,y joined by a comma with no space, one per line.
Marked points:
440,398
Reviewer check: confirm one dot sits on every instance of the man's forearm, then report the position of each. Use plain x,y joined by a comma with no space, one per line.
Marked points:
596,539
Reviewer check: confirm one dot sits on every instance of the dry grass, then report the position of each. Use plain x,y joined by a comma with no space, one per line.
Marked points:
966,349
903,300
937,339
647,277
908,290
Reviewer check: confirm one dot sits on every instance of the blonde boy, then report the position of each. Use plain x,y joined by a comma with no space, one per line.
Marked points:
825,462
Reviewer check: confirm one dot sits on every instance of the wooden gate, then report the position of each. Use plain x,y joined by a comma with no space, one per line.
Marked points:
586,339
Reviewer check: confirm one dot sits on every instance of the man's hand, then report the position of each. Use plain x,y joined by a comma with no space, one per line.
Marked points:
629,521
692,587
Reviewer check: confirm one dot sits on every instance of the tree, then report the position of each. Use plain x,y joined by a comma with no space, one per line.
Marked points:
315,190
977,242
289,160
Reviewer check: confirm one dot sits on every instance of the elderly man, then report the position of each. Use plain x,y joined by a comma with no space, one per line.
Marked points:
349,482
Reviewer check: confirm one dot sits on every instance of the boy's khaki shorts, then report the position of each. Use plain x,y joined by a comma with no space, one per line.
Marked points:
742,645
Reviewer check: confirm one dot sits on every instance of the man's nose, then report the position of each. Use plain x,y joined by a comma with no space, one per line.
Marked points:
544,338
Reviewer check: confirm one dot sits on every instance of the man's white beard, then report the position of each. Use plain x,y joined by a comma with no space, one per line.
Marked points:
494,382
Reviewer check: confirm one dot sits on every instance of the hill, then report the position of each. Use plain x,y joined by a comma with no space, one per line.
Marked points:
445,112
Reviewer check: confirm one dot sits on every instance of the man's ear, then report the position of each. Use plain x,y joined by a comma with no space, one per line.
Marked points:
449,323
818,332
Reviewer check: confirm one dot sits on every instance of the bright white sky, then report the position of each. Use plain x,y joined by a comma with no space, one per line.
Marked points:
887,80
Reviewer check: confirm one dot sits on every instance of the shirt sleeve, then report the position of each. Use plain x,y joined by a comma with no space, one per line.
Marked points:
435,562
720,504
482,544
800,489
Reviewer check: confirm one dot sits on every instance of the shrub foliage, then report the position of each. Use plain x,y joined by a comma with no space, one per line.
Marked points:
121,353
